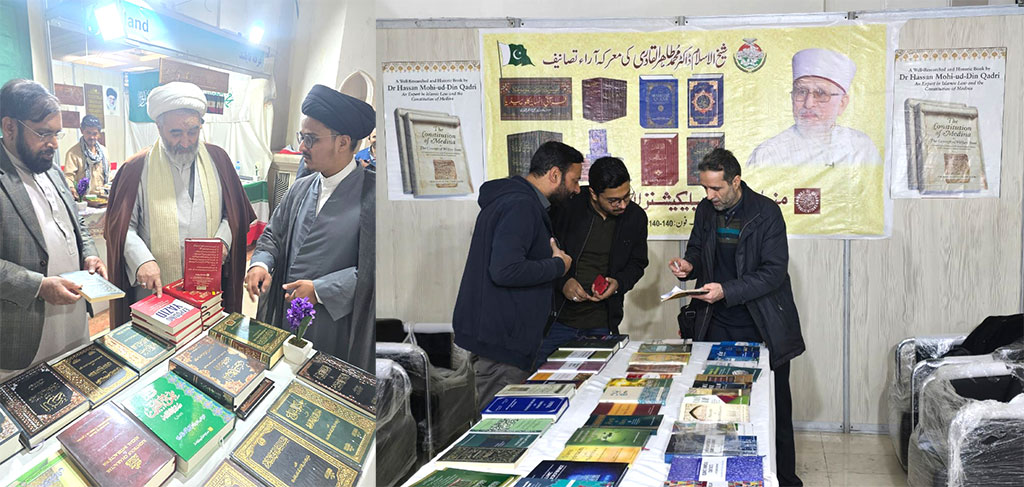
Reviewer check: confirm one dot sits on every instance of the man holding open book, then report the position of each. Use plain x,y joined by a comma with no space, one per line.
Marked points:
739,255
41,235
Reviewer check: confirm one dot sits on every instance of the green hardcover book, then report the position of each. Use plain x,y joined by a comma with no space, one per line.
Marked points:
615,437
534,426
95,373
650,422
342,430
279,456
184,418
56,470
140,350
465,478
256,339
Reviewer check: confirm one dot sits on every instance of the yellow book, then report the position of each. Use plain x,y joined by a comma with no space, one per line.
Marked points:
600,454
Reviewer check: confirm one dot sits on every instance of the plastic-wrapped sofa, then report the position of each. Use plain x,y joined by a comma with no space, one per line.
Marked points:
396,428
450,387
909,353
970,427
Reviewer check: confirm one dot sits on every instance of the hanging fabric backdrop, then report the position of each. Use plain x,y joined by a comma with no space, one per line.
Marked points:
661,100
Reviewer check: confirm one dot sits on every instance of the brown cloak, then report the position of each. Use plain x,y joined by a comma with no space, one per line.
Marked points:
123,192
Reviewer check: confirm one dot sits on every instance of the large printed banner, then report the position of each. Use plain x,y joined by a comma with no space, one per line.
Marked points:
802,108
948,129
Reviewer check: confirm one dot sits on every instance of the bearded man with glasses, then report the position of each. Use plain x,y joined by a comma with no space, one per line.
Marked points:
42,315
605,233
822,79
179,188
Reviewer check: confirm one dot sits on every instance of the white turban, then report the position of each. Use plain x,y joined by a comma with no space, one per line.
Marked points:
824,63
173,96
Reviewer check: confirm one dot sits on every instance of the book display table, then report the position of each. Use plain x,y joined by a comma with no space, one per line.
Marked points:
649,468
282,374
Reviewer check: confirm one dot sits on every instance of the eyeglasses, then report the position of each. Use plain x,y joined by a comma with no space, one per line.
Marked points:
45,135
620,201
310,139
820,96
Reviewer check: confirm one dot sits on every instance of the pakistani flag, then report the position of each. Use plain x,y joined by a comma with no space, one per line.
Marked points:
514,54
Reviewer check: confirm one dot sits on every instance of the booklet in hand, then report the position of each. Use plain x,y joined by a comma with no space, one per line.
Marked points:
677,293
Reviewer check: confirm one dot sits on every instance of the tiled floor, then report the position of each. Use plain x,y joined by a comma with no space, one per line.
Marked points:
838,460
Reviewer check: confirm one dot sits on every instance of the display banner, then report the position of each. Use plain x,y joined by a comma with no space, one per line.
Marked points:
434,135
947,131
801,108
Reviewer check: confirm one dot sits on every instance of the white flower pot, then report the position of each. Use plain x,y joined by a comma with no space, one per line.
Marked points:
81,206
295,355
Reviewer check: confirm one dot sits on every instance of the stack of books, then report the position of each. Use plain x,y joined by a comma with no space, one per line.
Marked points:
112,449
714,416
223,373
167,318
190,423
256,339
209,303
41,402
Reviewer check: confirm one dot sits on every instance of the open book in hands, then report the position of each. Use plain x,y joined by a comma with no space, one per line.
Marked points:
677,293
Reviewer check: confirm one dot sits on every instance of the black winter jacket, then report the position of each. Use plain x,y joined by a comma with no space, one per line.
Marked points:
762,285
628,257
505,296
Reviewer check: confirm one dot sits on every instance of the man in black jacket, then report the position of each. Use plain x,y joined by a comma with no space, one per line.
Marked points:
505,296
606,234
738,252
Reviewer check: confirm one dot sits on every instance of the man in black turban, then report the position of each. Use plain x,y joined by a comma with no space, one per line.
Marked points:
319,243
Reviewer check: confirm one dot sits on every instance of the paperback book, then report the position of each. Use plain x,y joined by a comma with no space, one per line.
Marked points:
638,395
625,409
607,473
717,413
457,477
614,454
95,289
487,450
710,445
609,437
716,469
576,355
730,370
651,423
557,390
525,406
534,426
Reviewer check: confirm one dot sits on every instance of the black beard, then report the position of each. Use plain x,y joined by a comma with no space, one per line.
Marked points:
561,193
39,162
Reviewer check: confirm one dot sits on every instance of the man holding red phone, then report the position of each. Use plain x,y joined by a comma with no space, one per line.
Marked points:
606,235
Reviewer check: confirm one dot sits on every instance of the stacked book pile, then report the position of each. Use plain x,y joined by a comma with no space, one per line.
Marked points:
711,440
167,318
577,361
209,303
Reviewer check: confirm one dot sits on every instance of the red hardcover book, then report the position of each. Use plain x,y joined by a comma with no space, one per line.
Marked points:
203,259
659,159
164,313
208,302
112,449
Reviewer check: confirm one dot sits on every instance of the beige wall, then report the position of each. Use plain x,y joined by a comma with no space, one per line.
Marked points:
79,75
938,273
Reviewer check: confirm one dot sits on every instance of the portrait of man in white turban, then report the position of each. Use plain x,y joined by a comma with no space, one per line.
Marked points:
822,80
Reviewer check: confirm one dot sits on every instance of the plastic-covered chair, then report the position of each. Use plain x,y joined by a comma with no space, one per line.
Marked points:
970,427
396,427
908,354
446,415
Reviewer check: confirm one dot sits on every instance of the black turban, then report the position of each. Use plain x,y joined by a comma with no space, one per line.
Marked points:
340,112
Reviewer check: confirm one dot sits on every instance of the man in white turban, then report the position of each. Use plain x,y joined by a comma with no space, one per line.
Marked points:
179,188
821,85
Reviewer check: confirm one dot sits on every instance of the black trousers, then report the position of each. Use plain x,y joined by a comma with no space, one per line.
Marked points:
785,448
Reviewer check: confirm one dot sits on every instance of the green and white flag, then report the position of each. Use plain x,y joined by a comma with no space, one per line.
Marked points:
514,54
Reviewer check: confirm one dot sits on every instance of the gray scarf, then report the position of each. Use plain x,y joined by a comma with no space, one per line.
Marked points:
99,158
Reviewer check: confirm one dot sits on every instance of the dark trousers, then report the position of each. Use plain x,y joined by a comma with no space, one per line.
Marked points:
491,376
559,335
785,447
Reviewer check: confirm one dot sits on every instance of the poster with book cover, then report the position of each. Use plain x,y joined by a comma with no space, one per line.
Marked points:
947,131
433,146
662,100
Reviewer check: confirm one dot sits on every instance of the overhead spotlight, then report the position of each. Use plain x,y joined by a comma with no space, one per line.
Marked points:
256,33
109,19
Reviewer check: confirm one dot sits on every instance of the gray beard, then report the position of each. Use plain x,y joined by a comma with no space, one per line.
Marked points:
181,159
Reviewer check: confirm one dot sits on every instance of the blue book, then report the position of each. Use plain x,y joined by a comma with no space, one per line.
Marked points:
535,482
606,472
659,102
733,469
704,101
734,353
526,406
